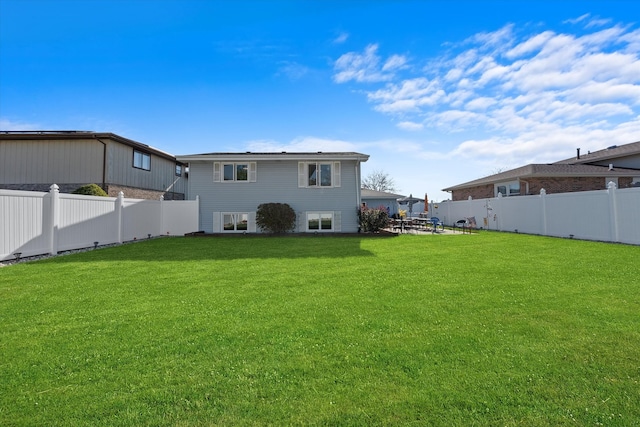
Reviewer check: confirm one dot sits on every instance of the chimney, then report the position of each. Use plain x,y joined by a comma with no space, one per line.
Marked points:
578,150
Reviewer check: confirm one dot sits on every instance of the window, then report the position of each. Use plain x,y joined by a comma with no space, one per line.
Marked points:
320,221
178,170
235,221
508,189
234,172
318,175
141,160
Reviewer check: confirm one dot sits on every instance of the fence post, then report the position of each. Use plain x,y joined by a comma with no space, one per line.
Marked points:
543,206
163,226
499,210
54,193
613,211
119,213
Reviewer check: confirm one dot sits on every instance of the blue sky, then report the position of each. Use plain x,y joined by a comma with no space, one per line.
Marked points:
436,92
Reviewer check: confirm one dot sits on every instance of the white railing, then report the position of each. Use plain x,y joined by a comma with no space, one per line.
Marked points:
611,215
35,223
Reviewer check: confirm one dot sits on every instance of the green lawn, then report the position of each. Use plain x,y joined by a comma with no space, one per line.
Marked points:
485,329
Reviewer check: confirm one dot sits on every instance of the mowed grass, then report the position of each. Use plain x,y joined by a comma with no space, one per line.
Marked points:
485,329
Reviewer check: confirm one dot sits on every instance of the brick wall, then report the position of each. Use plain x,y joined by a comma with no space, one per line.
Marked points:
139,193
565,184
550,184
481,192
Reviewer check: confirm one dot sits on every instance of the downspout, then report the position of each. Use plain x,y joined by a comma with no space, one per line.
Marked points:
104,162
358,181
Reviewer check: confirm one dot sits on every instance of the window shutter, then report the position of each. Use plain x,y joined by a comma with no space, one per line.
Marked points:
337,220
216,172
302,174
251,226
253,172
302,221
216,220
336,174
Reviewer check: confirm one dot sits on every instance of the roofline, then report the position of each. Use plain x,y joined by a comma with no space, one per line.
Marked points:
284,155
82,134
529,172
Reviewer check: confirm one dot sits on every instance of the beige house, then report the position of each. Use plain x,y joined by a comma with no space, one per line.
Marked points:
591,171
33,160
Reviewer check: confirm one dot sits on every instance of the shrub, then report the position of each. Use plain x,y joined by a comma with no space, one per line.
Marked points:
90,190
372,220
276,217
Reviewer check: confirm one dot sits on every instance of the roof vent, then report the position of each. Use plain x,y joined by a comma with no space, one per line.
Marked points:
612,147
610,166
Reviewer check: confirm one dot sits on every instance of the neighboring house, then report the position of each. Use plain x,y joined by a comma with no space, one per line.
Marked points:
34,160
322,188
593,171
376,199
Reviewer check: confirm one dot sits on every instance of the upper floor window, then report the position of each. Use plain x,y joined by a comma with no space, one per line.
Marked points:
319,174
141,160
235,172
178,170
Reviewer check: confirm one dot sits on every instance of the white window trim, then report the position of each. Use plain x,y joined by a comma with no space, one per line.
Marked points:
336,223
218,169
303,174
218,222
507,186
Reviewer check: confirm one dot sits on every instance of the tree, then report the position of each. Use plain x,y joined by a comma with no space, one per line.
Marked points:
380,181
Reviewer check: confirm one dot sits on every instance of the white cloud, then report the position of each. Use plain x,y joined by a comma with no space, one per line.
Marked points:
293,70
342,37
410,126
10,125
365,67
395,62
510,97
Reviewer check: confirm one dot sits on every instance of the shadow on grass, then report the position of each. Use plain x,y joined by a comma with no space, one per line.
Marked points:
173,249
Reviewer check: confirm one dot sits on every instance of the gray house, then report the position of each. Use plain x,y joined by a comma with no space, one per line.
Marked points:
33,160
376,199
322,188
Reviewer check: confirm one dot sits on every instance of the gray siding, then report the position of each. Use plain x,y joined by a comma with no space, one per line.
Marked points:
277,181
49,162
73,162
160,177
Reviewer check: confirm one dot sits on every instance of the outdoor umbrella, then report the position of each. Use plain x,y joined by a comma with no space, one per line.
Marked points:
409,201
426,203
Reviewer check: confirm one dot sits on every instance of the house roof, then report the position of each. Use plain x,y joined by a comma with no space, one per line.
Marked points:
284,155
365,193
82,134
547,170
612,152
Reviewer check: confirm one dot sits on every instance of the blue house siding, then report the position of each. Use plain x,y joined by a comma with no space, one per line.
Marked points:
276,181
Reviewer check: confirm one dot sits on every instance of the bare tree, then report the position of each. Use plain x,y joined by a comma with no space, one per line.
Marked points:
380,181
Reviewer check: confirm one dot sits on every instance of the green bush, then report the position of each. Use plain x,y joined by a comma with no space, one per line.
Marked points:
372,220
90,190
276,217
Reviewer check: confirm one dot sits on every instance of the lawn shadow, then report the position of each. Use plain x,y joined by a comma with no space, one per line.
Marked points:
173,249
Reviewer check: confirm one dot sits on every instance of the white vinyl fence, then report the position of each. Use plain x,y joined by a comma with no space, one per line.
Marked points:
611,215
34,223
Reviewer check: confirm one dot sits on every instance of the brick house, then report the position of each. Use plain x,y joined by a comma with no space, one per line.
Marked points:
593,171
